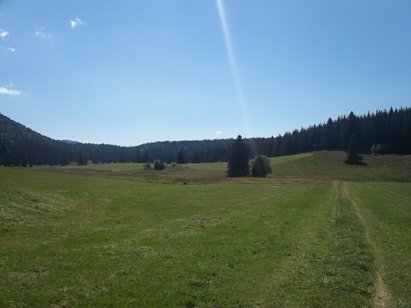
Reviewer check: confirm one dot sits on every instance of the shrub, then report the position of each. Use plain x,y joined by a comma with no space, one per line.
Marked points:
158,165
260,166
147,166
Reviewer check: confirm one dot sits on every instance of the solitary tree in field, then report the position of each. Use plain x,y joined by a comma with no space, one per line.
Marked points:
238,163
353,157
260,166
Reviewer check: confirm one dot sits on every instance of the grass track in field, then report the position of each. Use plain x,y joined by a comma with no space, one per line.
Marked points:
386,208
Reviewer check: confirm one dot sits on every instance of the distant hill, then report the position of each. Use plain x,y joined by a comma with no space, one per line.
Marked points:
21,146
69,141
388,131
15,132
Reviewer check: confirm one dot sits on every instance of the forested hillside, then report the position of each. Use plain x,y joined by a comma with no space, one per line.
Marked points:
21,146
391,130
383,131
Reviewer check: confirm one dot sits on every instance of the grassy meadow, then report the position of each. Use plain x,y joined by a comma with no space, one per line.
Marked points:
316,232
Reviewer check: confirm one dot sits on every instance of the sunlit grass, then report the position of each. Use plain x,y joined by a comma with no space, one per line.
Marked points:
117,234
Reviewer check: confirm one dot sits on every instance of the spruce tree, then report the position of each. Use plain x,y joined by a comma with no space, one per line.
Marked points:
238,164
353,157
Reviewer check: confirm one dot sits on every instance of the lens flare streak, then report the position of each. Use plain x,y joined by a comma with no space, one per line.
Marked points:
233,63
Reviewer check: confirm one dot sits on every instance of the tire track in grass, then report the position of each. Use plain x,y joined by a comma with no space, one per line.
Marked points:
382,297
332,265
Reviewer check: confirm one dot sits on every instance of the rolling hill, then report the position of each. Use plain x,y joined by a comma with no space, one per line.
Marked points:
390,130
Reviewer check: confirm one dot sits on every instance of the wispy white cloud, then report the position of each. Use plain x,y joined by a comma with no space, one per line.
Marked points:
218,132
3,33
7,49
77,22
40,34
8,91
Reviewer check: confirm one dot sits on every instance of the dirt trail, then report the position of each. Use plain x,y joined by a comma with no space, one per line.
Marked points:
382,297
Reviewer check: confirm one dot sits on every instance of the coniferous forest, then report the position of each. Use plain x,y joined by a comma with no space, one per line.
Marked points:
384,132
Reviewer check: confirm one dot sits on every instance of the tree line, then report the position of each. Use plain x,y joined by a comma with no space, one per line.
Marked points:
390,129
385,131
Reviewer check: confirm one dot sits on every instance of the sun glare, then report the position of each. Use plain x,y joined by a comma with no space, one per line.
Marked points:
233,64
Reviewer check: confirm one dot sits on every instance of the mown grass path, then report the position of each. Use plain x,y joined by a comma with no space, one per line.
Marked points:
385,209
382,295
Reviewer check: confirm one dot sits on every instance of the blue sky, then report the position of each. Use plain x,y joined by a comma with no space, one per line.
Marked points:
127,72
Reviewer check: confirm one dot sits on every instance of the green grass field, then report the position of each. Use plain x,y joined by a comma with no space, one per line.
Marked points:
314,233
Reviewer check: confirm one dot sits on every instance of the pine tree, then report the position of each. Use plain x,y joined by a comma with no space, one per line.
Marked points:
238,164
180,157
353,157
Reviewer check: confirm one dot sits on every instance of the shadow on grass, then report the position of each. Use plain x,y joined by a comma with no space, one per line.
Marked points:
356,161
